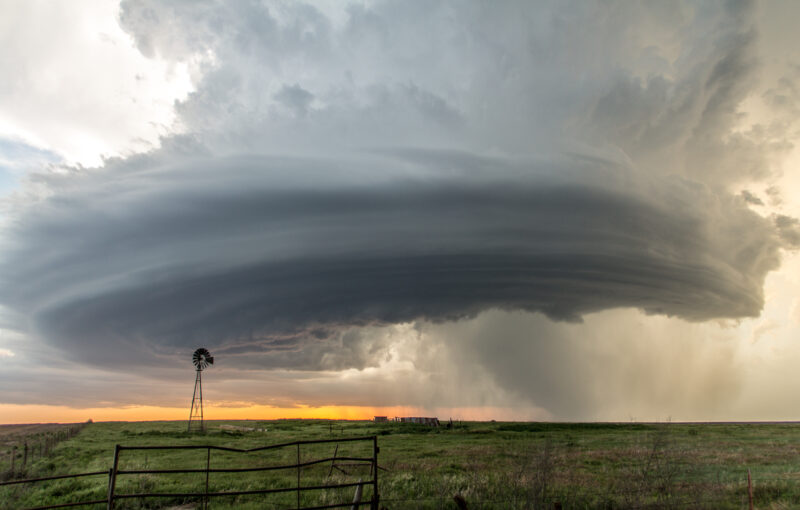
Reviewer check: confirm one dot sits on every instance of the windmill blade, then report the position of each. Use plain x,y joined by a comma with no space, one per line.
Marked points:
202,358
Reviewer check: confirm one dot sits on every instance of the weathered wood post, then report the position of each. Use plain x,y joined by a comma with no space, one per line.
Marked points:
13,458
749,490
357,496
25,456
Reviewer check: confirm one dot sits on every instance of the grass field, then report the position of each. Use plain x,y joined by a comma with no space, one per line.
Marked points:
490,465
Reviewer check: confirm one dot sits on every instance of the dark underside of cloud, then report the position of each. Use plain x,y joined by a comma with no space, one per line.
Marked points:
407,162
275,253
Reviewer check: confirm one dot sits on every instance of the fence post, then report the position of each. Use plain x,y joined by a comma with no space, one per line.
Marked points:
357,496
298,476
333,461
25,457
13,458
375,497
208,466
112,484
110,476
749,490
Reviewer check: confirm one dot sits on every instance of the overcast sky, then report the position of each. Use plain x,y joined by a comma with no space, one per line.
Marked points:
484,210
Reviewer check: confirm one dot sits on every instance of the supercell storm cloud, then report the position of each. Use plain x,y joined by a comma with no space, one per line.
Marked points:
336,170
276,251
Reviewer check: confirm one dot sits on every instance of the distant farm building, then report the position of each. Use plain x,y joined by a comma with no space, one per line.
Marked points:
381,419
433,422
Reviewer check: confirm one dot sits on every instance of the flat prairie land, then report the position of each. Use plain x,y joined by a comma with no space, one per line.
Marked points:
487,465
12,434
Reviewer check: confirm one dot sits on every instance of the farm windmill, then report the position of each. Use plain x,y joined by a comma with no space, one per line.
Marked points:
201,359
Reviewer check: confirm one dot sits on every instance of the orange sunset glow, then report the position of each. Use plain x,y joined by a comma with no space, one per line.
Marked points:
21,414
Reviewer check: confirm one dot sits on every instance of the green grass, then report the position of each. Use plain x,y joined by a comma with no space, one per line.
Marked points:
491,465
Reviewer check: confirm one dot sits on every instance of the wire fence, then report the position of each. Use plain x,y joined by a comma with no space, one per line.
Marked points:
16,458
303,475
86,502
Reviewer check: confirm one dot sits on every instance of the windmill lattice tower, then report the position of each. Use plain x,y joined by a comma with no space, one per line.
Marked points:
201,359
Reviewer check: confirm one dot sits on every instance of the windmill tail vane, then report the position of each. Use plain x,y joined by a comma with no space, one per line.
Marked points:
201,360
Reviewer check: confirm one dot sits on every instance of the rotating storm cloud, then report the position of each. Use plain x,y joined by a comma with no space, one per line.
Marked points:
514,207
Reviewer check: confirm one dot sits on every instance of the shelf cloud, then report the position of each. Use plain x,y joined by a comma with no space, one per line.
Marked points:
280,252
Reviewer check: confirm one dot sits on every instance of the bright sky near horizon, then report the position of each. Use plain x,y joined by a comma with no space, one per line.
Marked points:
518,210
